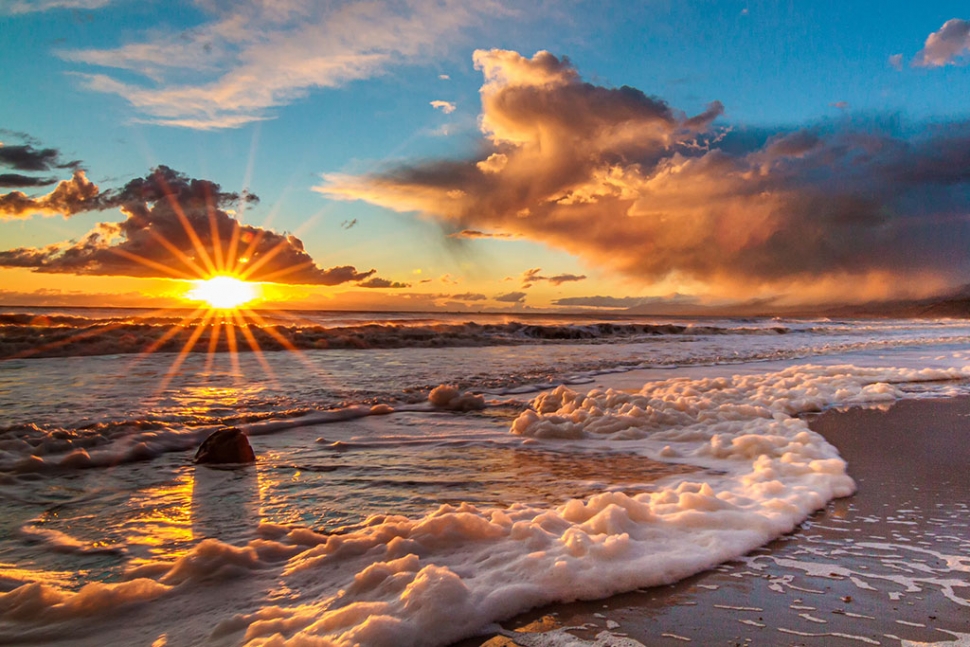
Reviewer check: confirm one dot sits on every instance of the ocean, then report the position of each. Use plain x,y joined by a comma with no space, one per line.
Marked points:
419,476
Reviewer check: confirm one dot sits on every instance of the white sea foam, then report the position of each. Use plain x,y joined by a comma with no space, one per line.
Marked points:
432,580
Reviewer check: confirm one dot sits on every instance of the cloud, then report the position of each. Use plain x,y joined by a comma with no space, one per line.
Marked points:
623,302
466,296
377,282
252,56
33,6
946,46
841,105
529,277
69,197
446,107
511,297
599,302
10,180
176,227
833,211
27,158
896,62
474,233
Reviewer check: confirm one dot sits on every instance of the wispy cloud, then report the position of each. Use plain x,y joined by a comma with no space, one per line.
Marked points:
34,6
947,46
474,233
624,302
530,277
253,56
841,211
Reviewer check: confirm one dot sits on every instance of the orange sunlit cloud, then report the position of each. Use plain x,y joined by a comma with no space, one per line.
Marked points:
626,182
178,227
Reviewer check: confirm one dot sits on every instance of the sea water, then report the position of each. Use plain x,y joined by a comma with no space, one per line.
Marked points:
578,458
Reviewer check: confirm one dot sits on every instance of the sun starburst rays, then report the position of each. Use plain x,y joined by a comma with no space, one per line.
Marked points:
222,292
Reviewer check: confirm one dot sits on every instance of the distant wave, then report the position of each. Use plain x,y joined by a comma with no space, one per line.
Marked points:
26,335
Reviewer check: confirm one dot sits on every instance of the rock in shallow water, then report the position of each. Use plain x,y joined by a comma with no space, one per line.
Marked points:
225,446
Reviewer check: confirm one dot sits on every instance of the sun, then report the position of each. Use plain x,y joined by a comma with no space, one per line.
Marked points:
222,292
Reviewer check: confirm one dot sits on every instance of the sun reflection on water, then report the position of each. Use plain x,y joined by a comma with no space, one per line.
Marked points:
160,524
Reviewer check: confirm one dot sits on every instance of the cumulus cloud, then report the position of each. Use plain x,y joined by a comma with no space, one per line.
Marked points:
511,297
446,107
69,197
176,227
896,62
838,211
252,56
947,46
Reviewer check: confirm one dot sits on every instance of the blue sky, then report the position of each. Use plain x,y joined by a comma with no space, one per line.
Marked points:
270,97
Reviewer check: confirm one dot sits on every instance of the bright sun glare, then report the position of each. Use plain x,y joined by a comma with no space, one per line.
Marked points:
223,292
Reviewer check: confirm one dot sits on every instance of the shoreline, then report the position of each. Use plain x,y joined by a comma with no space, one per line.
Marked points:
889,565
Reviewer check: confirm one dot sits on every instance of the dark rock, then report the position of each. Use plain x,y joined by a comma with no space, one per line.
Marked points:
228,445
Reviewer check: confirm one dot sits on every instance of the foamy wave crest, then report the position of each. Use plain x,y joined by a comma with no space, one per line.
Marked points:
67,336
30,448
396,581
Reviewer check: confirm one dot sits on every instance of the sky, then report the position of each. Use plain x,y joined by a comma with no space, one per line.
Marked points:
488,155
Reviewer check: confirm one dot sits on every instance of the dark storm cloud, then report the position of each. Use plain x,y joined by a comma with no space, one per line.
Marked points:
841,211
176,227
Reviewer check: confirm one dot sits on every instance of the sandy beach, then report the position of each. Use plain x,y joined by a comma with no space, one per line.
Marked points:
889,565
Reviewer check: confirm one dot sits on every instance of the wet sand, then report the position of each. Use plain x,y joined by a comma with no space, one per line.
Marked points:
889,565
